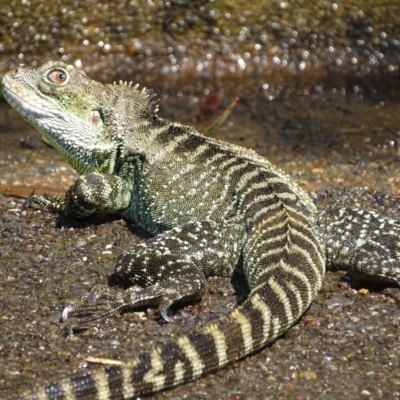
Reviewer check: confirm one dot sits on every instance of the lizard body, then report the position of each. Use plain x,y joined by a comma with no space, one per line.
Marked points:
214,208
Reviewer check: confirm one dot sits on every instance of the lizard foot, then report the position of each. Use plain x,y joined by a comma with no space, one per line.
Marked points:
101,304
45,202
104,302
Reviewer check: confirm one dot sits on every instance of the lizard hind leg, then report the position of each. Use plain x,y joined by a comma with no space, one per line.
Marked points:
169,269
364,244
187,284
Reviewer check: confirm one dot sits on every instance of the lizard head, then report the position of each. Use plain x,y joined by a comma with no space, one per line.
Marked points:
82,119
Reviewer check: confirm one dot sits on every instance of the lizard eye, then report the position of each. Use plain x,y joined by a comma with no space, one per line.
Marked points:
57,76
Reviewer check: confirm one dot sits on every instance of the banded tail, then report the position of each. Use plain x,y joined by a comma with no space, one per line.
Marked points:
281,295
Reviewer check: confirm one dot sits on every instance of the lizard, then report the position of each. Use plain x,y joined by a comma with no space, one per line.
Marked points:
213,208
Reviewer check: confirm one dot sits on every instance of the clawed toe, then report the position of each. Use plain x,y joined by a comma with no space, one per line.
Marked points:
101,293
87,313
44,202
165,317
65,313
104,302
83,317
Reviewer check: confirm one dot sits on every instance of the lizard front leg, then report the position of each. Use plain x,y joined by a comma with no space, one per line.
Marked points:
166,270
89,194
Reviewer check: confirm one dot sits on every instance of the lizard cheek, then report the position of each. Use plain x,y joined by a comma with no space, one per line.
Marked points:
95,118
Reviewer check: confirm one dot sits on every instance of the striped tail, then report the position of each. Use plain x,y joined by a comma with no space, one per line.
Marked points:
248,328
278,300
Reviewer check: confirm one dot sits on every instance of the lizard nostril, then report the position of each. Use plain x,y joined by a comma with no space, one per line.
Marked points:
18,69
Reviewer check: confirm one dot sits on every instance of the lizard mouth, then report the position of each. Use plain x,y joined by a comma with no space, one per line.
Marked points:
28,104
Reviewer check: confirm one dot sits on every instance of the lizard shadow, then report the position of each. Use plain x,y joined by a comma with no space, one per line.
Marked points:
98,219
65,221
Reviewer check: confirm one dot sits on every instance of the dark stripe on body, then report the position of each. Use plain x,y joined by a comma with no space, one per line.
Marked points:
170,133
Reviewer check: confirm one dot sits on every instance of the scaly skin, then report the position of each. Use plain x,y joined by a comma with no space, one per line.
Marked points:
212,207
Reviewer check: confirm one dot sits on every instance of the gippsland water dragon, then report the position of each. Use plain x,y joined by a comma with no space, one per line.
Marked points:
213,208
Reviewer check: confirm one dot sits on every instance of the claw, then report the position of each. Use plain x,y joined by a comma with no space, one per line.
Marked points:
92,298
65,313
70,329
165,317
